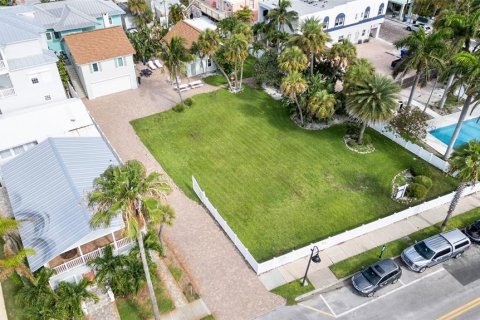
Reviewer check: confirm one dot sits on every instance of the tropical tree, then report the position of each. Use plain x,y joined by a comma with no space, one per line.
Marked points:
292,60
322,104
129,191
466,68
137,7
70,298
357,72
293,85
236,51
312,39
281,16
244,15
107,267
342,54
425,53
174,55
211,40
175,13
372,100
266,69
465,162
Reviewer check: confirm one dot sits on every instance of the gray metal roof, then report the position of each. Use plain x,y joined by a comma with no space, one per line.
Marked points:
32,61
72,18
18,23
48,186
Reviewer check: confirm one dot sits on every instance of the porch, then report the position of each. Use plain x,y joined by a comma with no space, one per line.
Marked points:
80,255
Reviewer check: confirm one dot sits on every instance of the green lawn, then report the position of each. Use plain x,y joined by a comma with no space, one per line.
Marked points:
10,288
349,266
279,187
219,79
292,290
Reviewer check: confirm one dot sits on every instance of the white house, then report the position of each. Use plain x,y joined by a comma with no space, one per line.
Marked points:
28,70
355,20
190,30
103,60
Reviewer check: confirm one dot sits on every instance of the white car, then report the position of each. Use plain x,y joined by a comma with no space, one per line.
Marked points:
417,26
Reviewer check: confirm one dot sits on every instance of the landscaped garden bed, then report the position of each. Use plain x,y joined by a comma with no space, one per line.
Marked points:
279,187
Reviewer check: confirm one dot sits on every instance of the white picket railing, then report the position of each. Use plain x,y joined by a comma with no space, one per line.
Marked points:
328,242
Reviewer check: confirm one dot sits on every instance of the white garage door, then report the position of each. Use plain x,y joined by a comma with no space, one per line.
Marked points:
110,86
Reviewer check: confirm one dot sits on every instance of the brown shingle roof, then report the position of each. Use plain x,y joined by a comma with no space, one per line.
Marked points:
183,30
98,45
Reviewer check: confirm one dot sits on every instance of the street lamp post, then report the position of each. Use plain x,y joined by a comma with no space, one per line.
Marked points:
313,257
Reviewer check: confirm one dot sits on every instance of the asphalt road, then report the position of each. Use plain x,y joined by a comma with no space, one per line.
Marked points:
444,292
392,31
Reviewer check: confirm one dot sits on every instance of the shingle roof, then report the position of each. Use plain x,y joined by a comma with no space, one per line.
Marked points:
47,185
183,30
98,45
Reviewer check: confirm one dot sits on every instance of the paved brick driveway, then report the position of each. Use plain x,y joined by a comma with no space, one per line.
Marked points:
224,280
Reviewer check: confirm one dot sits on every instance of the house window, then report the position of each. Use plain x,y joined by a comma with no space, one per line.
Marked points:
325,23
18,150
48,97
209,62
363,32
356,16
340,20
4,154
49,36
340,39
109,20
120,62
56,35
34,80
95,67
252,4
7,153
380,9
367,13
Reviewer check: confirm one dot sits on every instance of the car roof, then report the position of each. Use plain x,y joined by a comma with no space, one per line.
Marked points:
437,243
384,266
454,236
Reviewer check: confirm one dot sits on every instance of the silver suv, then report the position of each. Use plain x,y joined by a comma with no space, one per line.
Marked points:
436,249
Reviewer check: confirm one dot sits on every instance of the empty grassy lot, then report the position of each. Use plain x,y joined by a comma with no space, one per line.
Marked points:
279,187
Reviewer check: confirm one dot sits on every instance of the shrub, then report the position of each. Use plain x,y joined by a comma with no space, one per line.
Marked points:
188,102
179,108
424,181
353,129
420,168
416,190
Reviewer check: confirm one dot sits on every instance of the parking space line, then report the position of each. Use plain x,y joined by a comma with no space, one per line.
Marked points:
401,282
388,293
317,310
328,306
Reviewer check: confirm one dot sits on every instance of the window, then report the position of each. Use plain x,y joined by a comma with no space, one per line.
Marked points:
252,4
109,20
120,62
356,16
48,97
367,13
326,20
363,32
209,62
7,153
340,20
4,154
340,38
442,254
18,150
49,36
95,67
461,245
380,9
34,80
388,276
56,35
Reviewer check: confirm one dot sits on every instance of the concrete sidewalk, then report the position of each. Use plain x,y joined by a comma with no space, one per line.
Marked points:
320,274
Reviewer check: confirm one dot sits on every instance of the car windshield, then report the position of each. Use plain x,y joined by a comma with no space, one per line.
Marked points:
371,275
423,250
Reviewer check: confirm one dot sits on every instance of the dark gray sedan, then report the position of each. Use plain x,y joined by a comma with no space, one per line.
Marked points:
376,276
473,231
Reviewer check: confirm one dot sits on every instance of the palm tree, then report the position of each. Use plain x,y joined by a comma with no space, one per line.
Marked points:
236,51
372,100
465,161
357,72
425,52
212,45
175,54
322,104
292,85
292,60
280,17
107,267
128,190
175,13
70,298
466,68
244,15
312,39
137,7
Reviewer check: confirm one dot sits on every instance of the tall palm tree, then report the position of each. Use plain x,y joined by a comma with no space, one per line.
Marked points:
236,51
342,54
372,100
175,13
281,16
357,72
107,267
245,14
312,39
466,162
137,7
175,54
466,68
425,53
70,298
292,85
212,45
322,104
129,191
292,60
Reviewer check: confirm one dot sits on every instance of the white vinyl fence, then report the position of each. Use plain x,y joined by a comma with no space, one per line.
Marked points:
328,242
412,147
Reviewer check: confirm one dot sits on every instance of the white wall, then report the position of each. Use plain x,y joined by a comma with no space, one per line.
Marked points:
108,74
195,67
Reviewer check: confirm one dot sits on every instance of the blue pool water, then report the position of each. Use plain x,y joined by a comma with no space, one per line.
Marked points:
470,130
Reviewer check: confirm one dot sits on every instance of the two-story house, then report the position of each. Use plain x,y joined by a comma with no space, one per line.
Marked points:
220,9
103,60
73,16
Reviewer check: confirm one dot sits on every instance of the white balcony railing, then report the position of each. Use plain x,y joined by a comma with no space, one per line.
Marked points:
3,66
6,92
122,245
211,12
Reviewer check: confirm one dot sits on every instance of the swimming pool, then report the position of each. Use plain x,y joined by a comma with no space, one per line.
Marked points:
470,130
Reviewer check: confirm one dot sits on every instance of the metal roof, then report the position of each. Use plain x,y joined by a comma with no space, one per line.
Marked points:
17,24
47,185
72,18
32,61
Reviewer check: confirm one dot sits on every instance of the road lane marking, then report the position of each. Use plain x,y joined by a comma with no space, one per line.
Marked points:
388,293
461,310
317,310
328,306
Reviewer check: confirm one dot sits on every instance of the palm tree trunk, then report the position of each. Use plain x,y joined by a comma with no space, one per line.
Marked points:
299,110
431,94
362,131
414,87
241,74
453,204
203,66
463,114
236,77
445,93
176,81
311,64
151,293
159,234
223,72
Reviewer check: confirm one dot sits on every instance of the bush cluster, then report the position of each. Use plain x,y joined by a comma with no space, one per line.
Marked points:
180,107
420,168
416,190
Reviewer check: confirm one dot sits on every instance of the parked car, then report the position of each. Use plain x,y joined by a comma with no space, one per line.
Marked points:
473,231
417,26
435,250
376,276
